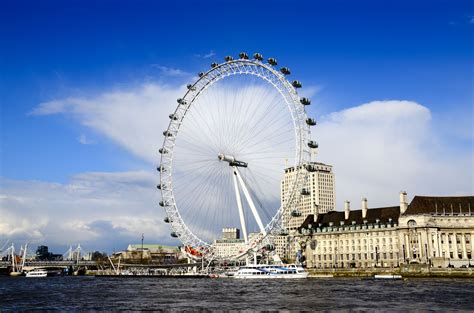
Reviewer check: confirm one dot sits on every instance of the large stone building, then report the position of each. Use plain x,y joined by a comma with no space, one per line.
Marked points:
438,231
430,230
318,194
149,253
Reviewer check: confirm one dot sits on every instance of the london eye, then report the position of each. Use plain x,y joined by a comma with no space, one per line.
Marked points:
232,134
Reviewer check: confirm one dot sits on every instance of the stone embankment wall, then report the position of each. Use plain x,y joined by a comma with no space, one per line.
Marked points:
412,270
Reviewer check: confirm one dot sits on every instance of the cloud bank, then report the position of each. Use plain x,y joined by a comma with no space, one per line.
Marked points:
103,211
383,147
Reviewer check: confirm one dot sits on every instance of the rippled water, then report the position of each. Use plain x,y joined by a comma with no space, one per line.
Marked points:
90,293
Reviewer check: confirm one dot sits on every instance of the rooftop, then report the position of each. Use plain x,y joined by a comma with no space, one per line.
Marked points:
441,205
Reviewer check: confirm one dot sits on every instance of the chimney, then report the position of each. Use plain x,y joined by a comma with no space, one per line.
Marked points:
403,202
347,209
364,208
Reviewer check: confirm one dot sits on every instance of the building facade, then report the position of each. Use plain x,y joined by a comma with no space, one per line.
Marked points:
421,232
318,194
149,253
231,244
438,231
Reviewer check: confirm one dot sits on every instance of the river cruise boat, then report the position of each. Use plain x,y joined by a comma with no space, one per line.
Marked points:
271,271
37,273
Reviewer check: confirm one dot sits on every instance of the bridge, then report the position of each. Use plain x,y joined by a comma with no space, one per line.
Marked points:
81,263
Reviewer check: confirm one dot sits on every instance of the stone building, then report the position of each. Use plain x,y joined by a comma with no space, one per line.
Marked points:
353,238
438,231
150,253
231,244
430,230
318,194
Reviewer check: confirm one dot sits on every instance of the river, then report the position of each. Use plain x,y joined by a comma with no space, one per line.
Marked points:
91,293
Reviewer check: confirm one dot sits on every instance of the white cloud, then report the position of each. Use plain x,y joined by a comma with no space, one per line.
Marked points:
134,119
84,140
169,71
383,147
98,210
208,55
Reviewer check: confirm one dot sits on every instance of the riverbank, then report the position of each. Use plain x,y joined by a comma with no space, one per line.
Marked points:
412,270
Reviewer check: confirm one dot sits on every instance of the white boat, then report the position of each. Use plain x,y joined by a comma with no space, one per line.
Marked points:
381,276
37,273
271,271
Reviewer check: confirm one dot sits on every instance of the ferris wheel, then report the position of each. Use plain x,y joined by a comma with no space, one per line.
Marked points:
224,154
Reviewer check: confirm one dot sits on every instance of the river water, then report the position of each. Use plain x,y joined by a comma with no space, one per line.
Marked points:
91,293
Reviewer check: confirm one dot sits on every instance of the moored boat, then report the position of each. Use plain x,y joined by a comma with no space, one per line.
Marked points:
37,273
389,276
271,271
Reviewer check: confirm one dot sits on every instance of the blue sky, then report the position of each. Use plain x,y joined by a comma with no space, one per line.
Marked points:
348,53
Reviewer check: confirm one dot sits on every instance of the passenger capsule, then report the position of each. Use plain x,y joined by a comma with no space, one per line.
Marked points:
167,133
295,213
191,87
161,203
163,151
312,144
173,234
311,167
311,121
305,192
167,220
200,74
258,56
243,55
296,84
270,247
272,61
158,186
305,101
182,101
173,117
229,58
285,71
214,65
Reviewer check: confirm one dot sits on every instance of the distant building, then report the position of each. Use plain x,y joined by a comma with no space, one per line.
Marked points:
43,254
437,231
318,194
230,233
150,253
230,244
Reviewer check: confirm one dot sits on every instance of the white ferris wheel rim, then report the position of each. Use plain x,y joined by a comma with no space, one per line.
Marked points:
244,66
